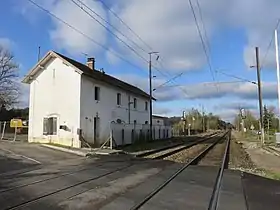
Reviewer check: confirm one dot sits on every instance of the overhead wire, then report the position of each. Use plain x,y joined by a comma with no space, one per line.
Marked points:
236,77
269,45
203,26
131,30
100,45
110,31
83,34
113,33
111,25
145,43
204,83
202,41
125,24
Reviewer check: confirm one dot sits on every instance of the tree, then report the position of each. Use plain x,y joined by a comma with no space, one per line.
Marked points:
9,89
269,118
249,121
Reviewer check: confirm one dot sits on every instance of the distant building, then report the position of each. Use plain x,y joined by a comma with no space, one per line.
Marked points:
160,120
66,96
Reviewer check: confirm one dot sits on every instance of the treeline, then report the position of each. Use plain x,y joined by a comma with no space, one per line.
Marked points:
270,120
198,122
8,114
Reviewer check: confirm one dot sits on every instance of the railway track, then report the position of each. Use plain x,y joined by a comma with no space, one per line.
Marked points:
87,179
272,150
213,203
173,149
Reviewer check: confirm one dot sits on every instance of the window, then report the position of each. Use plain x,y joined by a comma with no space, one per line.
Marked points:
146,122
146,105
50,126
97,93
135,122
119,99
135,103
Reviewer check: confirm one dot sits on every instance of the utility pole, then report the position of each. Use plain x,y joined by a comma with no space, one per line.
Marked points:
260,94
39,53
278,73
203,123
151,92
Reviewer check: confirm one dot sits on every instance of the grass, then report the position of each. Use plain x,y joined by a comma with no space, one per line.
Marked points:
270,174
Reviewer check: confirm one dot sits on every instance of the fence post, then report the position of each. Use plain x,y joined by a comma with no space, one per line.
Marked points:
4,127
15,136
111,139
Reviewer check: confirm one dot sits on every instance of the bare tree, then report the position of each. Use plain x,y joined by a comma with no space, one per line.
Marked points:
9,87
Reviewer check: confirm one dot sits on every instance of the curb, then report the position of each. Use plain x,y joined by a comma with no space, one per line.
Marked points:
79,153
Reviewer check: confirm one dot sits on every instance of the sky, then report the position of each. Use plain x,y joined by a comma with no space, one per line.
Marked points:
230,31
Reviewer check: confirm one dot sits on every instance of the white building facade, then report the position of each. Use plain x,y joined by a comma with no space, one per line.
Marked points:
67,97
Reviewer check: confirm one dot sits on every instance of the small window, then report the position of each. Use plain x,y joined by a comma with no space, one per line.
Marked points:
146,122
119,99
135,122
97,93
50,126
45,126
135,103
146,105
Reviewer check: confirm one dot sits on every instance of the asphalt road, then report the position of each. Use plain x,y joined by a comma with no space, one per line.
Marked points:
34,177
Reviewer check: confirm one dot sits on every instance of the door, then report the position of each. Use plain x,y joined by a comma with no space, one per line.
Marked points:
88,132
96,129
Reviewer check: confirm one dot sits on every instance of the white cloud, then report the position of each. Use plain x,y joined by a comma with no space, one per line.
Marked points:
6,43
258,18
66,38
111,56
162,110
246,91
168,27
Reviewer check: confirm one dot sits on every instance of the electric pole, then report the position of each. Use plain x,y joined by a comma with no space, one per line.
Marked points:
203,123
151,93
260,94
278,74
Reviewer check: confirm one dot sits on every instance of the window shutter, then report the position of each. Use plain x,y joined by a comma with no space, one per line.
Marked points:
45,126
119,99
54,126
97,93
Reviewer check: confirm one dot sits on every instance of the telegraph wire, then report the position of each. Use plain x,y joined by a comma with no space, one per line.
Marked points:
202,42
125,24
98,15
269,45
111,32
83,34
203,26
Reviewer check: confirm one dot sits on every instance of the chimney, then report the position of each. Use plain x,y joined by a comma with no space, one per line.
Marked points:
90,63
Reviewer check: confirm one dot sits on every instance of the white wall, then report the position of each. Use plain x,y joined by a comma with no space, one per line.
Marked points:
158,121
122,133
107,109
56,91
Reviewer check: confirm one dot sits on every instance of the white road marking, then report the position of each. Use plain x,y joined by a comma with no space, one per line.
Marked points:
36,161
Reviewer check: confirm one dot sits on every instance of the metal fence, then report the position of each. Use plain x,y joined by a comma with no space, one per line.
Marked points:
123,134
13,133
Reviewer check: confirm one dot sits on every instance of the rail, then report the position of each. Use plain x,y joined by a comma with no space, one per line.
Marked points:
181,146
193,161
216,191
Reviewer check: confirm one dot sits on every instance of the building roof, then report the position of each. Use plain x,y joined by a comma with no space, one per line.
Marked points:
95,74
159,117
